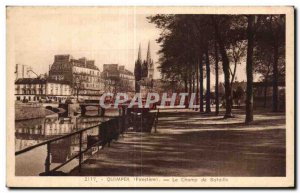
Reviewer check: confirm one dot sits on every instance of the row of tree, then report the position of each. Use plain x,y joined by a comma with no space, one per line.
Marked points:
191,44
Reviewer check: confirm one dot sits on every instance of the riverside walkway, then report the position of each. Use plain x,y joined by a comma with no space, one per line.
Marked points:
188,143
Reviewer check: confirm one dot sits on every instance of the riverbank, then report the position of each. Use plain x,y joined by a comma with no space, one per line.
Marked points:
30,111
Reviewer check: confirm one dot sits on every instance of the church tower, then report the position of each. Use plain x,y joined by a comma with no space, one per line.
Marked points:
150,63
138,71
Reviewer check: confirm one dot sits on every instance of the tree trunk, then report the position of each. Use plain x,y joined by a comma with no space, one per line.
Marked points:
233,74
265,94
185,90
201,82
194,69
249,69
185,85
225,63
193,80
217,79
137,87
266,84
197,85
231,82
275,78
207,97
190,85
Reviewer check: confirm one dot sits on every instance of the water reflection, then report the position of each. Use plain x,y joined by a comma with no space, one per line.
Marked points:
31,132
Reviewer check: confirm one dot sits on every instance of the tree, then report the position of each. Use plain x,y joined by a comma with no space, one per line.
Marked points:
225,63
197,84
238,95
194,40
236,53
269,52
271,34
201,31
217,77
144,69
137,75
178,54
249,70
277,27
201,82
207,98
263,65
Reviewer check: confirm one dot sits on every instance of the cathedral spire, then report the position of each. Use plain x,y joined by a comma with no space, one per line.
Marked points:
138,70
149,62
148,54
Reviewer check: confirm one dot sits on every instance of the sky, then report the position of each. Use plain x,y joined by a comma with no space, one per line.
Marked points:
104,35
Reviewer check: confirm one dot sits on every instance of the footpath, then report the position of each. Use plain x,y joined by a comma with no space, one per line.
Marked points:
188,143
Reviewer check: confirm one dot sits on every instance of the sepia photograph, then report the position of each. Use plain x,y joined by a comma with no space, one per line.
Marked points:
150,96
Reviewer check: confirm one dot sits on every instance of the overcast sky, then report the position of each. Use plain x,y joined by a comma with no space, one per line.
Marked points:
105,36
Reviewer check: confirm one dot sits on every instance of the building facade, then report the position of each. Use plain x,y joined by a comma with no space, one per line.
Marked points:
83,75
36,89
128,78
117,78
73,78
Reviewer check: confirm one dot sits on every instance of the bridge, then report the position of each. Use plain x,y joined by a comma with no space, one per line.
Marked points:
101,111
84,105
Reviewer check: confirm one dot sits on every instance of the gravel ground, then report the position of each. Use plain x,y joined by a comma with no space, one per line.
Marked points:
188,143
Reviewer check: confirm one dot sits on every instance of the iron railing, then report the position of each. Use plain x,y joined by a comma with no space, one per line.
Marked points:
108,131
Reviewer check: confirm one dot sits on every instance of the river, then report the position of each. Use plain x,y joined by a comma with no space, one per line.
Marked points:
35,131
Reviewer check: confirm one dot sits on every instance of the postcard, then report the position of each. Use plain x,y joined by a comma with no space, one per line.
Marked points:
187,97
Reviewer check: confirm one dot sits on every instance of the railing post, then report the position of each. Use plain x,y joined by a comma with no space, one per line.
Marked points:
47,162
80,151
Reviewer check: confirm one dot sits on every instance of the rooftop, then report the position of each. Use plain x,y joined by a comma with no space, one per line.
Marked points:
30,81
81,62
39,81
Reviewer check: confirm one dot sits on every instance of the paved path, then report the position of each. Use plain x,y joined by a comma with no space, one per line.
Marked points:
190,144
